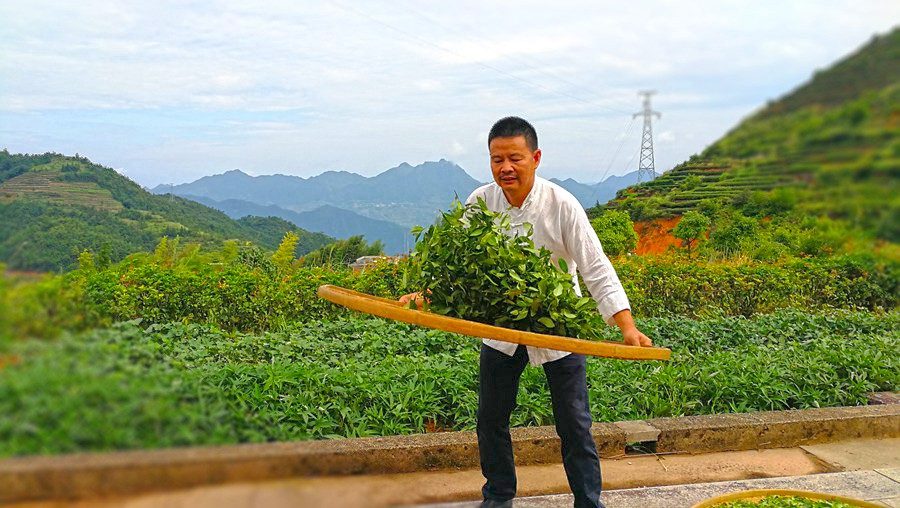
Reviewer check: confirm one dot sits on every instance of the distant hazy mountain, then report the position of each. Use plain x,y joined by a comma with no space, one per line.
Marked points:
589,195
426,183
340,204
409,195
282,190
330,220
343,223
406,195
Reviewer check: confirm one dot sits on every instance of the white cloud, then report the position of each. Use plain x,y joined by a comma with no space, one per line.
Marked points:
427,85
457,149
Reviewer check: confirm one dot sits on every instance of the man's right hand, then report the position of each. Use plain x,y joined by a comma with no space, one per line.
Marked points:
416,297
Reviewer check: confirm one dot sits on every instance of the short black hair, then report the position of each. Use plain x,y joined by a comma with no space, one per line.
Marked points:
513,126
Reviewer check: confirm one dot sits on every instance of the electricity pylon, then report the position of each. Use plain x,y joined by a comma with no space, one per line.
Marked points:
646,166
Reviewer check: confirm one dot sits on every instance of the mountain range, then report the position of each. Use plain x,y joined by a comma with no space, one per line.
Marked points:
340,222
338,203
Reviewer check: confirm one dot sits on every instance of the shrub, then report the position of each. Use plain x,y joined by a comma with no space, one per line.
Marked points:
240,288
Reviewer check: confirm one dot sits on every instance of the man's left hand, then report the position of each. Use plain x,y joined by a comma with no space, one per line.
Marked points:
634,337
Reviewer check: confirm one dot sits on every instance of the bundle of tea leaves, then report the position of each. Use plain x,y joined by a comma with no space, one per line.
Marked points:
470,265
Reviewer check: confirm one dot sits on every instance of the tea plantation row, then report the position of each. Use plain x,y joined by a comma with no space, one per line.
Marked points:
244,290
175,384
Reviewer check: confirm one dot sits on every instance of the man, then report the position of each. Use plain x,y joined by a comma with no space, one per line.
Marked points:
561,225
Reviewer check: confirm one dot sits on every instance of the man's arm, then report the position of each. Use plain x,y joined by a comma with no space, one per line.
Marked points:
599,276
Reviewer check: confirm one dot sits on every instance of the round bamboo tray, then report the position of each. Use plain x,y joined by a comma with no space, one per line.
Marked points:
392,309
761,493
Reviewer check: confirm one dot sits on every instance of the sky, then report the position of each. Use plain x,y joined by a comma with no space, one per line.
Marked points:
170,91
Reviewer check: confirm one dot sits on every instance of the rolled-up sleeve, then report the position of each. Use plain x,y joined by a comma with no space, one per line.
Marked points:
595,268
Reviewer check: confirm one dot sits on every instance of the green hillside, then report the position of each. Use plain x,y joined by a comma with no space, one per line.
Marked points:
54,206
825,155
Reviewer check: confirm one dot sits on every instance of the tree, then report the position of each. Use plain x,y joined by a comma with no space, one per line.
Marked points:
733,230
616,232
104,257
86,262
285,253
691,229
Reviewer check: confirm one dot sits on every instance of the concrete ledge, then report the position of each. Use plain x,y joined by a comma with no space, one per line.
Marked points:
79,476
638,431
876,398
775,429
125,473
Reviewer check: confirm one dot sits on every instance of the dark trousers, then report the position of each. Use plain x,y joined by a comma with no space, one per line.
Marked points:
499,383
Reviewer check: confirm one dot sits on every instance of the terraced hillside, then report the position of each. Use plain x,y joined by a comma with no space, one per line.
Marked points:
829,149
53,207
50,183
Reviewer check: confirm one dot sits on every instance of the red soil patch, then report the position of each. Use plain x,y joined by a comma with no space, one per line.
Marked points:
655,236
24,275
8,360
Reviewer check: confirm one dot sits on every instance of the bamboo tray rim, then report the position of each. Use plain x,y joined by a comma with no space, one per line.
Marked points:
748,494
392,309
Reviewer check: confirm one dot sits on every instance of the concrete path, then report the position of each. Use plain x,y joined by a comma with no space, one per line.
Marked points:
871,472
879,486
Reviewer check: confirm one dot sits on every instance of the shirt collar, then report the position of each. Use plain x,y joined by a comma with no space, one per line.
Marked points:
532,194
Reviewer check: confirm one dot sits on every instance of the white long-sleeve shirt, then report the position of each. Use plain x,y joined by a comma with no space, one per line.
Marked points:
562,226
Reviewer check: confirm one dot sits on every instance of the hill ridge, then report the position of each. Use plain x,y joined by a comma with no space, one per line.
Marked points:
54,206
829,156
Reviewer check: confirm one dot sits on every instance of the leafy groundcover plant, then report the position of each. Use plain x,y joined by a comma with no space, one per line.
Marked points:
473,266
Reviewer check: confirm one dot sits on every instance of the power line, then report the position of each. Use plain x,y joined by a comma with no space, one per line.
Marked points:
613,158
621,143
633,156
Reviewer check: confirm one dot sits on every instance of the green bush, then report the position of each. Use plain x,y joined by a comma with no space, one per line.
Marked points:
616,232
669,286
691,229
240,288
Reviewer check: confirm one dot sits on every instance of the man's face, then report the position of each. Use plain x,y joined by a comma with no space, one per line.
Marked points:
513,166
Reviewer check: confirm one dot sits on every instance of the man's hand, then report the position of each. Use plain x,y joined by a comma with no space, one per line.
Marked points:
630,334
634,337
416,297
